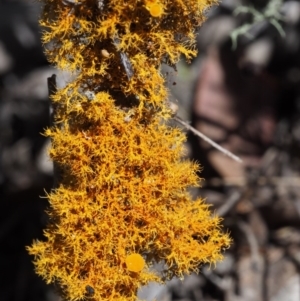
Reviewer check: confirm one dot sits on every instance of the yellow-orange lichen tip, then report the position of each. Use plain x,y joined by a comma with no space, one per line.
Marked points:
135,262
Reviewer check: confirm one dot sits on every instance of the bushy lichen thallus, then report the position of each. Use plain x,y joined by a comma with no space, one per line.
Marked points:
121,204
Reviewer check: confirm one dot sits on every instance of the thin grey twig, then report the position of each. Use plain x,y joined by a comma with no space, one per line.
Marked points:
208,140
124,59
51,81
52,88
222,283
253,244
233,199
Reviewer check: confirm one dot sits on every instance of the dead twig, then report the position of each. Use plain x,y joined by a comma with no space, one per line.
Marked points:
230,203
222,283
208,140
52,88
253,244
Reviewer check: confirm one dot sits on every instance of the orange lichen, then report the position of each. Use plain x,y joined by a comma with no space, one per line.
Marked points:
122,203
135,262
156,8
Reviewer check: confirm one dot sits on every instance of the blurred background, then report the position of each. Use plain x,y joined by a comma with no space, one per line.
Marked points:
243,91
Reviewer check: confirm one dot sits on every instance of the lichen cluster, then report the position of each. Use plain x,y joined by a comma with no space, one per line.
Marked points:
122,202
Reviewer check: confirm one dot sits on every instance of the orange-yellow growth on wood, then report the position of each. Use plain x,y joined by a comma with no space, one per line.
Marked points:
156,8
135,262
122,203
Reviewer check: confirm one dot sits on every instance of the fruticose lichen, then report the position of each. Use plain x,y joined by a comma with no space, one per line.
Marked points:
122,202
